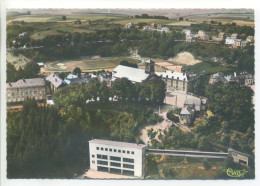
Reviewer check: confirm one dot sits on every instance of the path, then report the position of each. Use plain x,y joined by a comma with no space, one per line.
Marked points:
161,126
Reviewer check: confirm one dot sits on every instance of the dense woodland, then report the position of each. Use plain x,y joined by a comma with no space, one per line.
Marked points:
31,70
53,141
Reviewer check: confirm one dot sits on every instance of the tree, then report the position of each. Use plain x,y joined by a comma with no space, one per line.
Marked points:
126,63
77,71
64,18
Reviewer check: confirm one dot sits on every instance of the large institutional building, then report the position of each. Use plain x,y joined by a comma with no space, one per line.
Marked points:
175,80
117,157
18,91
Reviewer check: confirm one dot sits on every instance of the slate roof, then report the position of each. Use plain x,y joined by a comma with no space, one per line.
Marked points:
55,80
133,74
24,83
71,76
185,111
117,143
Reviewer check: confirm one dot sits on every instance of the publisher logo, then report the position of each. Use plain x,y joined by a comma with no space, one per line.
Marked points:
235,173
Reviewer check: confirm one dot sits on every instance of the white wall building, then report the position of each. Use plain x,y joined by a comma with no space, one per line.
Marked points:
117,157
230,41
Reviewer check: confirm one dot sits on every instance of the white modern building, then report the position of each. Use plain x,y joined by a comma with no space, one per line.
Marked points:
117,157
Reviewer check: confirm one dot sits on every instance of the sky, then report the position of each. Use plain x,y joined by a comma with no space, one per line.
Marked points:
130,3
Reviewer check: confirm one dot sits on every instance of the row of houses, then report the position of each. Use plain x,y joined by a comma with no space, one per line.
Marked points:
243,78
152,27
43,88
202,35
230,41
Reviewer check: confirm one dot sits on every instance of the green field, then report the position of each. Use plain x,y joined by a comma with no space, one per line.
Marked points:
208,68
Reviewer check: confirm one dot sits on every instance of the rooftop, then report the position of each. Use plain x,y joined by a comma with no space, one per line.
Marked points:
117,143
174,75
185,111
194,100
23,83
55,80
133,74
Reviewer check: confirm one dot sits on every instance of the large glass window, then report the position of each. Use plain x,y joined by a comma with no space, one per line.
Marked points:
128,160
115,164
128,166
102,156
102,162
114,158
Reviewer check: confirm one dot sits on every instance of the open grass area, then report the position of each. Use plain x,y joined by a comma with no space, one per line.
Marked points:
148,21
208,68
185,168
180,23
43,34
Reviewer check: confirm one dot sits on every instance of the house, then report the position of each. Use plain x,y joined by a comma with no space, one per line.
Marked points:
117,157
40,64
229,41
187,115
55,82
236,43
18,91
134,74
202,34
175,80
22,34
198,104
74,79
218,77
187,32
221,35
129,25
243,44
244,78
250,39
189,39
164,29
234,36
105,77
154,25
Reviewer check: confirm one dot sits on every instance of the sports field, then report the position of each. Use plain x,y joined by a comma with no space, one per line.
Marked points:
86,65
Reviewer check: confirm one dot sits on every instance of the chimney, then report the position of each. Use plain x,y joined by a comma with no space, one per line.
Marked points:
235,74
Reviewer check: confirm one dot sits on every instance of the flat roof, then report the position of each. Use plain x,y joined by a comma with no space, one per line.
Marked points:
117,143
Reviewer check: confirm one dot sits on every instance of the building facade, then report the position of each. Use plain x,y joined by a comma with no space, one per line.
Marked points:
175,80
18,91
117,157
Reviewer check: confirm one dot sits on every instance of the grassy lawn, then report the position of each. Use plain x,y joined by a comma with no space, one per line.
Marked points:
186,168
208,68
43,34
180,23
148,21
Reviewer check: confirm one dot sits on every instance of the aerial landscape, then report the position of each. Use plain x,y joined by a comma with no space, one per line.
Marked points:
130,93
